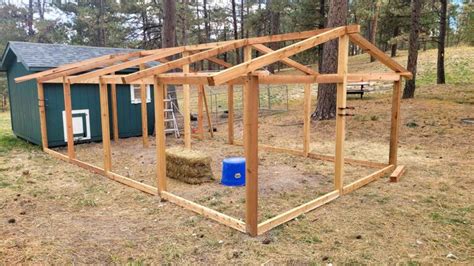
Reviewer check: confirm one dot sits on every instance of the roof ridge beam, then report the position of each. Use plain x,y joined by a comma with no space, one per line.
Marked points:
127,64
277,55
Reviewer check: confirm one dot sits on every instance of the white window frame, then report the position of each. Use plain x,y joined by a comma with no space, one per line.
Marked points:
87,125
138,100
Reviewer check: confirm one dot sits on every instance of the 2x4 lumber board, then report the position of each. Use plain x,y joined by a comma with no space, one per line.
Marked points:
343,53
293,213
61,68
366,180
104,121
270,148
42,113
208,114
200,106
185,60
113,95
219,61
230,114
204,211
86,67
347,160
144,112
292,63
359,40
277,55
395,122
113,176
68,114
131,63
399,171
160,136
251,97
307,119
186,108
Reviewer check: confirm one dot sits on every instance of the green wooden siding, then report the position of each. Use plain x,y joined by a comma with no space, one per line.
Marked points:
25,114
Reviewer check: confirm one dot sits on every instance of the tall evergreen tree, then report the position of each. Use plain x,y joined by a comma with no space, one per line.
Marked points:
410,85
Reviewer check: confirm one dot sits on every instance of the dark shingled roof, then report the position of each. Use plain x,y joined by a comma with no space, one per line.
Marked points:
44,55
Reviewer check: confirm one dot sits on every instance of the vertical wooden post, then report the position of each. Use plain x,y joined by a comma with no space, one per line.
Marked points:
186,109
113,94
251,152
307,119
68,113
395,122
230,114
105,122
341,111
144,112
42,114
200,113
160,135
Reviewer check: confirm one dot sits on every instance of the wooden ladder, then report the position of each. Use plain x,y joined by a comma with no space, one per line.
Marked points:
170,118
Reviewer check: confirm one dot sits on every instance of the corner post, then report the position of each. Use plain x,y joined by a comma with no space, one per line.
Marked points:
307,119
395,122
68,113
160,135
230,114
186,108
42,114
251,94
144,112
341,111
105,122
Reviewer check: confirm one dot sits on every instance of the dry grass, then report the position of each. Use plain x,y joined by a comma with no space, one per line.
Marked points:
64,214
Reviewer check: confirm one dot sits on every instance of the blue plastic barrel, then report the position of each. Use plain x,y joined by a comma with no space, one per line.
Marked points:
233,171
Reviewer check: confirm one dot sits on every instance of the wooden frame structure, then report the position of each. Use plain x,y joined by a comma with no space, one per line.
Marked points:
102,71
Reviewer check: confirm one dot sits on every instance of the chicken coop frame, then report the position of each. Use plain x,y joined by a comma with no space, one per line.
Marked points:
101,71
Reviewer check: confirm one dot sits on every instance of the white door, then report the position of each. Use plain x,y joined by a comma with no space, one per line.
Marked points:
80,124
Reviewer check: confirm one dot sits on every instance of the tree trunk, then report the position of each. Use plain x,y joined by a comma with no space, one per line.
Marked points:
394,47
41,8
169,35
274,29
29,18
409,91
373,24
242,19
321,26
236,30
326,104
200,64
207,27
441,43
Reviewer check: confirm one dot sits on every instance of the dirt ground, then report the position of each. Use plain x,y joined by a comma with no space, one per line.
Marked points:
53,212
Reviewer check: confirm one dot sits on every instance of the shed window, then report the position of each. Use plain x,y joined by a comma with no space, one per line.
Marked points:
135,95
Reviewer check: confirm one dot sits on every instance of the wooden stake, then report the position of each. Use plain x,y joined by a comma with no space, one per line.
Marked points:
160,136
42,114
251,153
144,112
68,113
200,113
307,119
113,94
341,111
395,122
230,114
186,108
105,122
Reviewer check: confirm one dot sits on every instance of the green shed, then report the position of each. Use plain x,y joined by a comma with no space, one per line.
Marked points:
23,58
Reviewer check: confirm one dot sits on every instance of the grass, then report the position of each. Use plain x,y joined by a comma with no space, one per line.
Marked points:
8,141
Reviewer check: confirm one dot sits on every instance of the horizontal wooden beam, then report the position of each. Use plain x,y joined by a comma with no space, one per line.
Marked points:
204,211
366,180
125,65
293,213
349,161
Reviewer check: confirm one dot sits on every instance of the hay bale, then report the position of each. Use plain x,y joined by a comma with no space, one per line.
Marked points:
189,166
